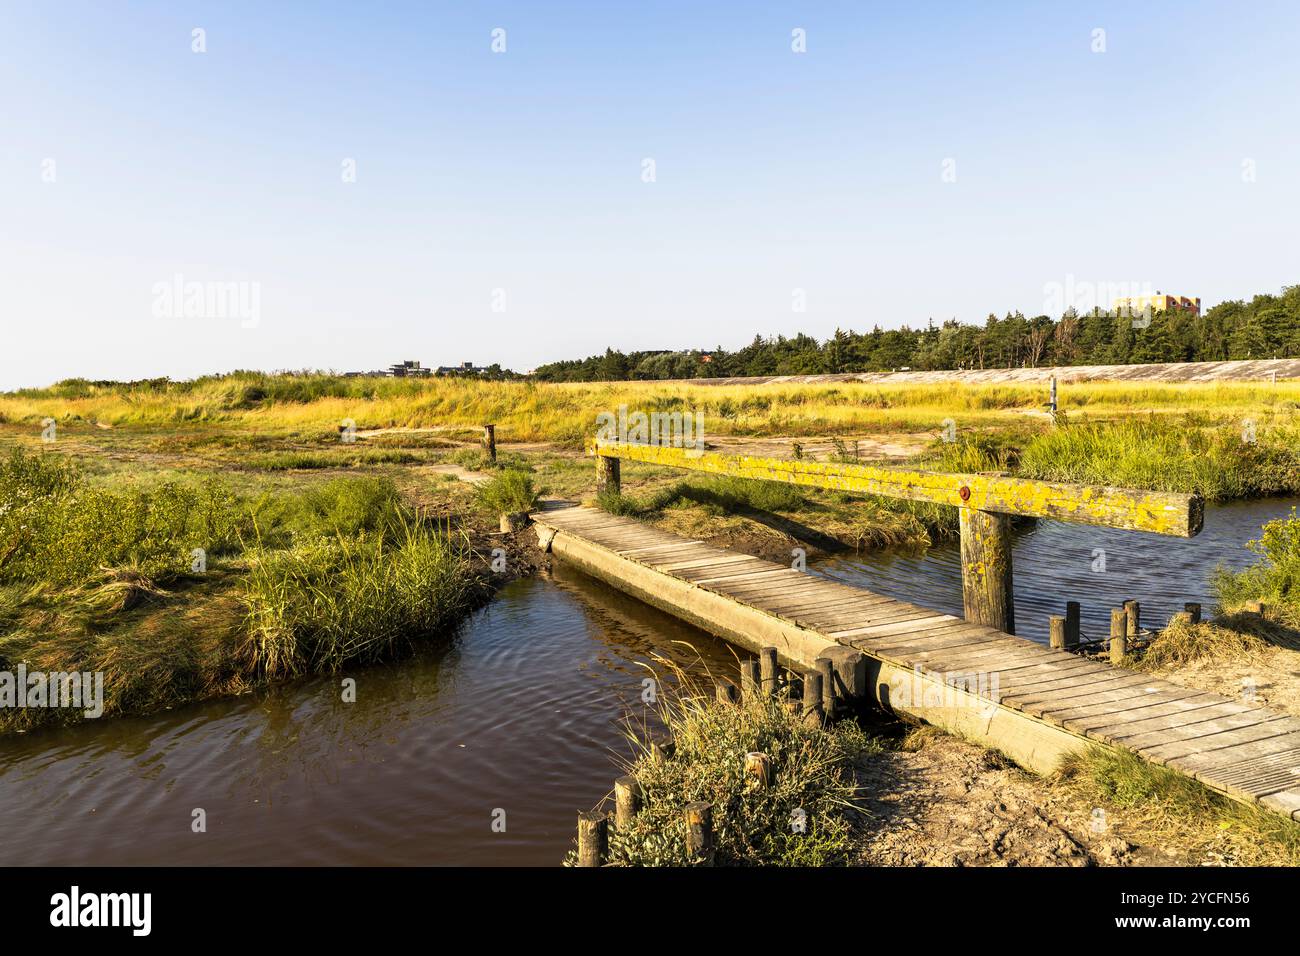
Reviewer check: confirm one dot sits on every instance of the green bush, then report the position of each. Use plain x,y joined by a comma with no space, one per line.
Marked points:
57,528
1274,578
509,492
813,771
347,507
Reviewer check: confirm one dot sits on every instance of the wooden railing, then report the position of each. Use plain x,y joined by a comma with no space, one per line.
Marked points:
986,504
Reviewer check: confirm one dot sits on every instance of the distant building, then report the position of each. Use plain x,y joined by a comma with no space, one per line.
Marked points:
1139,304
464,368
409,369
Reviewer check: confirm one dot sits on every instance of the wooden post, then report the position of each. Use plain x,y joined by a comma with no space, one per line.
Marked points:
662,747
727,692
813,708
593,838
1134,610
607,476
699,830
749,679
826,671
758,767
986,569
1053,394
490,442
627,801
767,670
1118,635
1194,609
1071,625
1056,632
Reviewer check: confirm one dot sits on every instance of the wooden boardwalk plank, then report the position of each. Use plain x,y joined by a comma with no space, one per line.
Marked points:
1217,740
1244,750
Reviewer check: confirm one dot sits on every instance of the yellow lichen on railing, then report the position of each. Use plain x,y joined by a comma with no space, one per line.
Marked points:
1153,511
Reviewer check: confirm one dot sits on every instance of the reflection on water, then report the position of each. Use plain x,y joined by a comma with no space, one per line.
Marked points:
522,712
1054,561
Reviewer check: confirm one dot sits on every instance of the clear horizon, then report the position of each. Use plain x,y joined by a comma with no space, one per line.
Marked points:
350,187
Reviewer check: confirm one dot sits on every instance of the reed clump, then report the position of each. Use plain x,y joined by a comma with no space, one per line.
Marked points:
510,491
805,816
350,599
177,592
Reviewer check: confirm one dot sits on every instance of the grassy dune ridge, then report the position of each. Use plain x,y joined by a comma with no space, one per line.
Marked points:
528,411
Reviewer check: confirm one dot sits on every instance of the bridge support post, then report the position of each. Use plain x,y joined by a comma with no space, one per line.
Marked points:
986,569
607,475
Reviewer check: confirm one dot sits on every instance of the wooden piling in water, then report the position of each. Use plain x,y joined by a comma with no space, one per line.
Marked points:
593,838
1194,609
1072,631
767,670
1119,629
1056,632
986,569
490,442
1134,610
627,800
699,831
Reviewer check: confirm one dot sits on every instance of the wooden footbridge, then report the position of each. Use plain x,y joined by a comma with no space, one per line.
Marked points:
970,676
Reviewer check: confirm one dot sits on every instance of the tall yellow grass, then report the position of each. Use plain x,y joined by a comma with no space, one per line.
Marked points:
526,411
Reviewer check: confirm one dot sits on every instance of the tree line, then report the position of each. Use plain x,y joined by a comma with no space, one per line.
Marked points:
1268,326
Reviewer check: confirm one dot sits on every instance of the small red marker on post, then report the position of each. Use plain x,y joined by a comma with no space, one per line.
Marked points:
964,493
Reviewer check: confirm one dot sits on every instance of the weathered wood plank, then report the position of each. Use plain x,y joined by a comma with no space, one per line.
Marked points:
1157,512
1077,690
1217,741
1207,762
1174,725
1200,729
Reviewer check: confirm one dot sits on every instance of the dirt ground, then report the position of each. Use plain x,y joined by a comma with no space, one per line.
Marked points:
1270,677
952,803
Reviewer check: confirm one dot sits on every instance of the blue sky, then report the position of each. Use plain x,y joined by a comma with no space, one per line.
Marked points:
127,160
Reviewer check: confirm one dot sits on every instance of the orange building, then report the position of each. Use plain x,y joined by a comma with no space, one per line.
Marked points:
1137,304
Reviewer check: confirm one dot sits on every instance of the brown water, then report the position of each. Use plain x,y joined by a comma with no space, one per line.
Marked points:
1054,562
520,711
